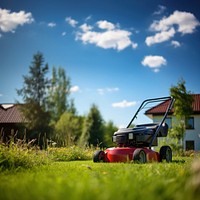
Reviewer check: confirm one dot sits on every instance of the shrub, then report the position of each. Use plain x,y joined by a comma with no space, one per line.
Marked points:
21,155
70,153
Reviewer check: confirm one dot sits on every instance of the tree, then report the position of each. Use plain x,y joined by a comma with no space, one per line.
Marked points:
59,91
34,95
93,131
183,100
182,108
68,129
35,85
109,130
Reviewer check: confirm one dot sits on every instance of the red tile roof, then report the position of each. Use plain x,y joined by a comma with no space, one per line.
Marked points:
161,108
10,113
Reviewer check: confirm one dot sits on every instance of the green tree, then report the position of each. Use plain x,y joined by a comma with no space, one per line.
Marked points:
109,130
93,130
34,95
182,109
35,85
59,91
68,129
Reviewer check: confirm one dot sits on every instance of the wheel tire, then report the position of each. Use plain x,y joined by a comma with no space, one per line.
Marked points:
139,156
98,156
166,154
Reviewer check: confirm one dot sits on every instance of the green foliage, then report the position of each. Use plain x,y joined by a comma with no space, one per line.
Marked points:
68,129
70,153
182,110
36,118
35,85
21,155
178,131
34,95
93,128
183,100
59,91
109,129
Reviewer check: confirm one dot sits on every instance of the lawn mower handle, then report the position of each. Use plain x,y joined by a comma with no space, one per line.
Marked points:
166,113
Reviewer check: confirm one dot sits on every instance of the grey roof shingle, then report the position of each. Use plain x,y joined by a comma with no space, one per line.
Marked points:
10,113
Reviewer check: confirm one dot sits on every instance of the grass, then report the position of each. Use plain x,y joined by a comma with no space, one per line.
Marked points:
103,181
28,173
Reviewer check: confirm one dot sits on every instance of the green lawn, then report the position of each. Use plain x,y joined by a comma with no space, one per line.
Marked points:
102,181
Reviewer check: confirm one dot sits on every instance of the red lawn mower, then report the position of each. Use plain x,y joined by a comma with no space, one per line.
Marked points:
135,142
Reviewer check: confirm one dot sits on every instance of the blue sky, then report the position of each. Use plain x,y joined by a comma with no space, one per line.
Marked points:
116,52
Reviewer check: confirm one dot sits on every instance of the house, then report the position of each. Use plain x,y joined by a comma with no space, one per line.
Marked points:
192,136
10,120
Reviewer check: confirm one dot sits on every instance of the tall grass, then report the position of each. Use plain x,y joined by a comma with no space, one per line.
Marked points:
21,155
26,155
70,153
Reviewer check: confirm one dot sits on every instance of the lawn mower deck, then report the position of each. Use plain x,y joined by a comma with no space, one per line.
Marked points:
134,143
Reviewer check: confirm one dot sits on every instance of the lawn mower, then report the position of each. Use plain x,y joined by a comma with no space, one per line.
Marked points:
135,142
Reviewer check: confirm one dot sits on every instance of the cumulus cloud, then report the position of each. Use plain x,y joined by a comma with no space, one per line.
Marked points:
160,37
85,27
154,62
108,36
167,27
71,22
74,89
175,43
103,91
9,21
103,24
124,104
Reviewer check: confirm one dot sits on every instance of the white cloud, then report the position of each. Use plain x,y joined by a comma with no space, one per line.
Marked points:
110,37
103,91
185,21
103,24
9,21
51,24
124,104
175,43
85,28
74,89
71,22
160,37
154,62
182,22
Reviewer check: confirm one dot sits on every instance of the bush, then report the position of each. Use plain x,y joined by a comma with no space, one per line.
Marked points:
21,155
70,153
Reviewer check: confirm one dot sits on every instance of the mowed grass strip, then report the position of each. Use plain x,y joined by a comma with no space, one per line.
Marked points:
100,181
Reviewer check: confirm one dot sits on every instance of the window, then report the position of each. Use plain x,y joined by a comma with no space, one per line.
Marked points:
189,122
168,121
189,145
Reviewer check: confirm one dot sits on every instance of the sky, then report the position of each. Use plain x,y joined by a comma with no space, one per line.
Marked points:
117,53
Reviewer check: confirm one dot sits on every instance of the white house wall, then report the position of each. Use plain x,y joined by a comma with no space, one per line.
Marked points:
194,134
191,134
